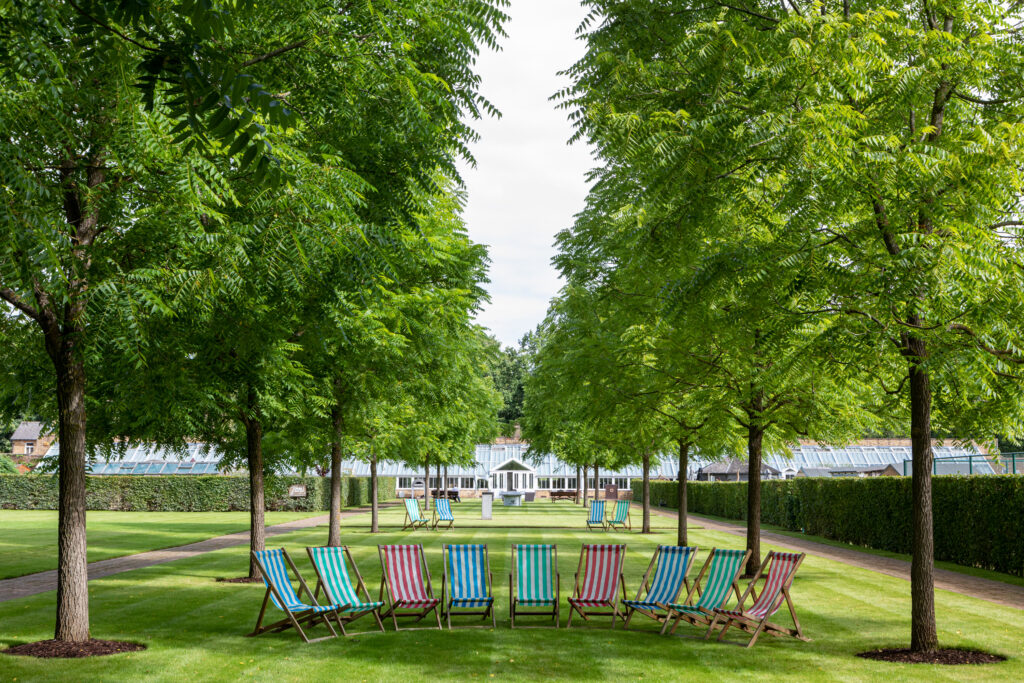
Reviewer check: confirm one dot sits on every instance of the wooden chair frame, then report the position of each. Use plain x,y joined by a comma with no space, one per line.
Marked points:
645,586
603,523
628,524
293,619
513,599
436,518
409,521
756,626
705,617
343,617
392,610
448,612
614,614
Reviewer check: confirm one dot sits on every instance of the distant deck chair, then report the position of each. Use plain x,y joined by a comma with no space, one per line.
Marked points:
670,564
443,513
413,518
602,573
775,592
466,585
721,571
620,517
404,567
333,576
596,515
534,582
282,594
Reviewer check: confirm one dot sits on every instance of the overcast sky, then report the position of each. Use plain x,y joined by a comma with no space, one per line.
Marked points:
528,182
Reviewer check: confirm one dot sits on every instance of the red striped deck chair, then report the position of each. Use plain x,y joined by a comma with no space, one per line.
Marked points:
670,565
281,592
775,592
404,567
602,573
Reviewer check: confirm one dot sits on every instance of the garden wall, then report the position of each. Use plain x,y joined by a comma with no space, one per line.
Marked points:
186,493
978,520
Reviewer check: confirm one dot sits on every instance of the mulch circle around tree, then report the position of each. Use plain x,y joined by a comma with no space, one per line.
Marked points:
240,579
66,650
944,656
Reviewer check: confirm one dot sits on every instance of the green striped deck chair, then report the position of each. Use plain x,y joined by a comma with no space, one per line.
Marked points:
333,577
720,571
534,583
284,597
466,583
413,518
754,620
596,515
670,565
620,518
443,513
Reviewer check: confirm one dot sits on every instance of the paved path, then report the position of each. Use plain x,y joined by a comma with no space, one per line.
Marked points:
998,592
31,584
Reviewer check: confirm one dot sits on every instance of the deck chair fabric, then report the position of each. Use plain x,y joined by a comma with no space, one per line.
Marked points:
467,581
281,592
722,570
620,516
413,518
596,514
443,513
602,574
781,570
332,573
404,567
534,581
671,563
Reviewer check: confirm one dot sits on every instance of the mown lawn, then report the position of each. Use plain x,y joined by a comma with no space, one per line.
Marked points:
28,538
194,626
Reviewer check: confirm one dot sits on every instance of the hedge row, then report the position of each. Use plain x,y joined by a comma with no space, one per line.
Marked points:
212,493
977,519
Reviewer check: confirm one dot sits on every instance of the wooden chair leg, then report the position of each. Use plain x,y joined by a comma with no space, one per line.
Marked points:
757,632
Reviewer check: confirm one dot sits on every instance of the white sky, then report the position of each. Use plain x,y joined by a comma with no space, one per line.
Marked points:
528,183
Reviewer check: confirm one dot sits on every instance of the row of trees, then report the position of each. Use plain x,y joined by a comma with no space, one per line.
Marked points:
239,223
805,224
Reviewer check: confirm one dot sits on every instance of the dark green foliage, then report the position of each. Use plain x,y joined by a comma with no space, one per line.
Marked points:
977,519
185,494
7,466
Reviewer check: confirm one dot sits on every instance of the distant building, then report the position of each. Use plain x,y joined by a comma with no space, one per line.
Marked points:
885,470
29,442
732,469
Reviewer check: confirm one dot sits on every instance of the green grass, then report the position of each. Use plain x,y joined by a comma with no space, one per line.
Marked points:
28,538
194,626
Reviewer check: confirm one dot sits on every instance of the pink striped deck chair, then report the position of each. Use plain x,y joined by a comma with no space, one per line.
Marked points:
602,573
404,567
775,592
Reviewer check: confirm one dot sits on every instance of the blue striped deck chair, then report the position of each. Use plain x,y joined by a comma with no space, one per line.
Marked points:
534,583
620,518
413,518
443,512
720,573
333,576
670,565
596,515
466,583
281,592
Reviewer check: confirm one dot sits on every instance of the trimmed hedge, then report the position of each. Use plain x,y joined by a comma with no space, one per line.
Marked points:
977,519
199,493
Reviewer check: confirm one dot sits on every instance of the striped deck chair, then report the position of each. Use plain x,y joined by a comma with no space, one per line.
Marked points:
775,592
602,572
721,571
596,515
403,569
620,518
332,575
673,562
534,583
443,512
282,594
413,518
466,583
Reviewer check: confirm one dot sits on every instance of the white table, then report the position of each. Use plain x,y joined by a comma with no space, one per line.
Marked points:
512,499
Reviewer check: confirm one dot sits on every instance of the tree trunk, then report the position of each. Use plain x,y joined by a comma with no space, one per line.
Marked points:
437,469
374,527
755,438
578,482
334,518
426,485
923,632
647,494
586,487
254,456
444,478
684,455
597,483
